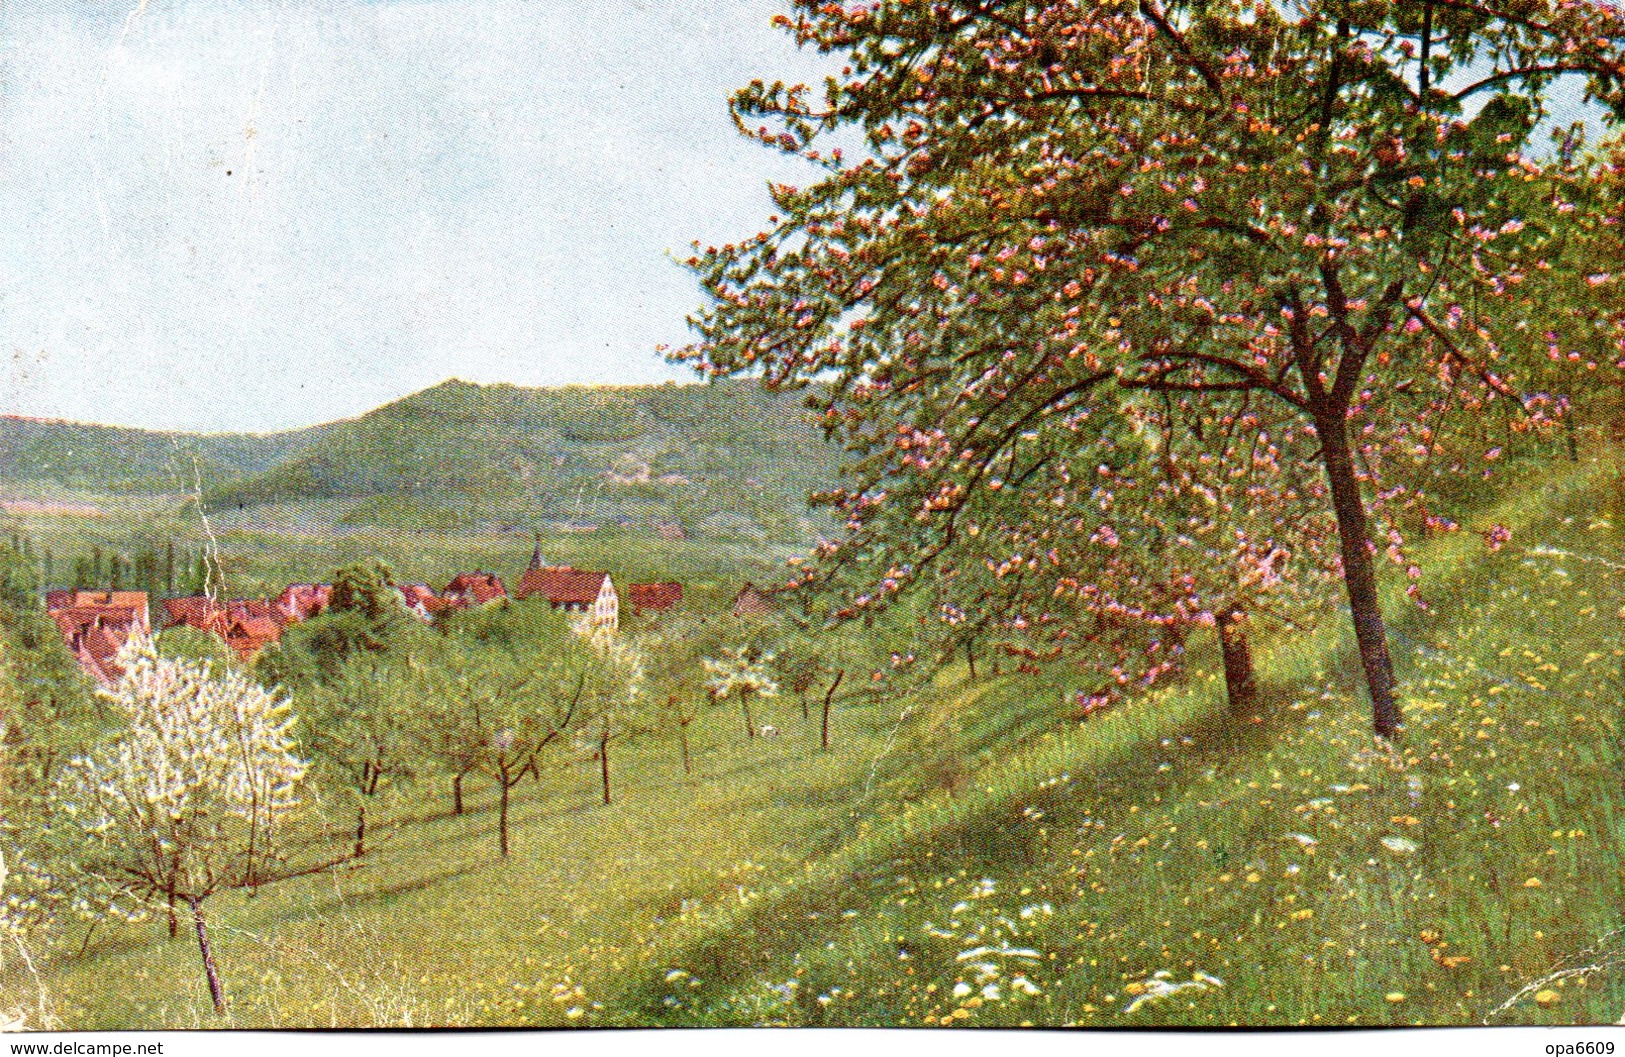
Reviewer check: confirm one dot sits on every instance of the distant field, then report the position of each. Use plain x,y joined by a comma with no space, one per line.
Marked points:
264,548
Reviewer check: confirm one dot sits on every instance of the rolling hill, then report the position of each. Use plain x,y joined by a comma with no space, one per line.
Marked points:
727,457
120,459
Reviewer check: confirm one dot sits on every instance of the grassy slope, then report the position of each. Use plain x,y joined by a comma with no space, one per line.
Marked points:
1171,840
1166,838
115,458
437,929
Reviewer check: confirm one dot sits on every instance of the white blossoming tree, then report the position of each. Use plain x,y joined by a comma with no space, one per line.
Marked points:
742,673
188,797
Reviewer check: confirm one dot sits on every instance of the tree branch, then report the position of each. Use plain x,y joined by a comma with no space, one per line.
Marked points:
1158,19
1530,71
1252,376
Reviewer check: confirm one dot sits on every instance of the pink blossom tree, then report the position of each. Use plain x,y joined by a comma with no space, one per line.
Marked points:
1316,220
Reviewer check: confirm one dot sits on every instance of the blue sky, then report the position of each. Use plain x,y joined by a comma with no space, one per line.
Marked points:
257,214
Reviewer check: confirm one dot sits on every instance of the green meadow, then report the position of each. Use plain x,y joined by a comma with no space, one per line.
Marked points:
967,852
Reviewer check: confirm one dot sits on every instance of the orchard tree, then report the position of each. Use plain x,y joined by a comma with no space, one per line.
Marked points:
189,797
357,731
621,702
368,588
1107,565
675,682
1312,220
800,666
742,673
494,710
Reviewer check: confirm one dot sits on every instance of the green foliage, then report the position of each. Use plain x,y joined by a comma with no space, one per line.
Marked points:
186,643
368,589
52,713
726,460
355,726
366,615
1296,872
954,814
117,459
507,624
491,699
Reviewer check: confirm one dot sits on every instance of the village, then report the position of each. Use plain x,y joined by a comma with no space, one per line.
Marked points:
95,624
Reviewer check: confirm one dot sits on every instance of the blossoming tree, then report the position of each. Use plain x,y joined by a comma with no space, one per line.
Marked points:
1312,219
189,797
742,673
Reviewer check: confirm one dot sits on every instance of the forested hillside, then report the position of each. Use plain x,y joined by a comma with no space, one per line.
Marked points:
726,457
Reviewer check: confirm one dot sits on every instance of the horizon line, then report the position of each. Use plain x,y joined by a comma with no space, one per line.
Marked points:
53,420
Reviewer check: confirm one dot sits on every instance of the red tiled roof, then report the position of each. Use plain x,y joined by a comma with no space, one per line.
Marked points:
118,606
102,643
562,585
240,609
422,595
303,601
477,588
97,652
258,627
75,620
133,599
248,636
71,622
655,598
195,610
95,624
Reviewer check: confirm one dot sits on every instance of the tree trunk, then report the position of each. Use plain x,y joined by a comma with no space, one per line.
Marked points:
360,830
744,707
682,737
174,918
502,811
209,970
603,757
457,793
829,696
1240,683
1359,571
970,658
802,694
